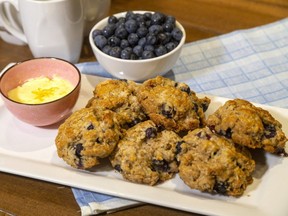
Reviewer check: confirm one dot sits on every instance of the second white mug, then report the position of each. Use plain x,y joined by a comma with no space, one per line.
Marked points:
53,28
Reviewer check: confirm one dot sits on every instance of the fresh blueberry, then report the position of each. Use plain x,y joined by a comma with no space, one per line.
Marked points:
96,32
148,23
121,22
131,25
142,32
114,41
106,49
126,53
140,19
157,18
160,50
112,19
133,39
138,50
134,56
170,46
142,41
108,30
147,16
155,29
168,37
100,41
170,19
149,48
130,15
168,27
124,43
177,34
115,52
151,39
147,54
162,38
121,32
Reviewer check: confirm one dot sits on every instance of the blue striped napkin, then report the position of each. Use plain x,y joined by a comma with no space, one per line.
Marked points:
251,64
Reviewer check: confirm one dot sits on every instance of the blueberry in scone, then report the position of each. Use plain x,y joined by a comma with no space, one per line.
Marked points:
146,155
119,96
211,163
248,125
172,105
86,136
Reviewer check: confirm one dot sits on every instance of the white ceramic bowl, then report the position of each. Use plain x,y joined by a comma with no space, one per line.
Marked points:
137,70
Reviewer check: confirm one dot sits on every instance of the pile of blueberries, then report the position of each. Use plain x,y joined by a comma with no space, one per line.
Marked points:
138,36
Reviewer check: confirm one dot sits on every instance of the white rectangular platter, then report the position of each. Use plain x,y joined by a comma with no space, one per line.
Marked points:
30,151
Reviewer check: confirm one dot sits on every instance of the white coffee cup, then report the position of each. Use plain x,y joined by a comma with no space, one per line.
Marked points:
51,28
13,16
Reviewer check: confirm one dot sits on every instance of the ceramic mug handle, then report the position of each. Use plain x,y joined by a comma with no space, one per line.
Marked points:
7,23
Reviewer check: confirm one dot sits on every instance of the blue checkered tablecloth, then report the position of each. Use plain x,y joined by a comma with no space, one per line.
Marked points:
251,64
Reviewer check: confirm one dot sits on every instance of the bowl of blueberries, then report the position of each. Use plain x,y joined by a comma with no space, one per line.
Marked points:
137,45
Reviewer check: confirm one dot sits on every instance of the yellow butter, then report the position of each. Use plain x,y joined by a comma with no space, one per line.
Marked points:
41,90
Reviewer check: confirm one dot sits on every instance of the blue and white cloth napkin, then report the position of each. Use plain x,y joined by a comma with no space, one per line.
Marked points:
92,203
250,64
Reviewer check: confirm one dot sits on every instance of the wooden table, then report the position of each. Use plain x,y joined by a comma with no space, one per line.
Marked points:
201,19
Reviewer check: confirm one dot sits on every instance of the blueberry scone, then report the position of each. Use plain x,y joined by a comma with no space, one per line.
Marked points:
86,136
119,96
146,155
248,125
211,163
172,104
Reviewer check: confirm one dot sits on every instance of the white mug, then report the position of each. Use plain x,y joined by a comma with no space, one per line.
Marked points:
13,16
51,28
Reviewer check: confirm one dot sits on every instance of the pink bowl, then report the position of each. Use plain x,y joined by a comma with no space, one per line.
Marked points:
45,113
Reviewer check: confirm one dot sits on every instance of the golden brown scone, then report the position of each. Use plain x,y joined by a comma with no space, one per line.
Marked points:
145,155
119,96
248,125
172,104
211,163
86,136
